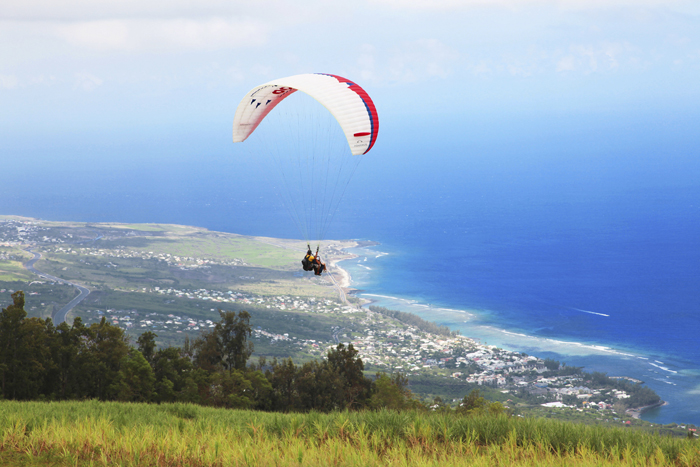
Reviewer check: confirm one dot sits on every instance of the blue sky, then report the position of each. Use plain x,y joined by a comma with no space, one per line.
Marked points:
84,78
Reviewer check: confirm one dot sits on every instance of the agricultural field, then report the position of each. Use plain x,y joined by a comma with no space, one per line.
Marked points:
109,433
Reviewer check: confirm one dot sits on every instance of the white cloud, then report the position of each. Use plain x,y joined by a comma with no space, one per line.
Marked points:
158,35
235,75
92,10
86,82
366,62
600,58
566,63
81,10
686,6
421,60
8,81
42,79
482,68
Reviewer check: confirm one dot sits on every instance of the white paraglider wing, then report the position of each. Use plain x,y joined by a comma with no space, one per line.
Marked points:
345,100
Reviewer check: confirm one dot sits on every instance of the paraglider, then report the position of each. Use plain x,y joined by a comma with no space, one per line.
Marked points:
314,155
313,262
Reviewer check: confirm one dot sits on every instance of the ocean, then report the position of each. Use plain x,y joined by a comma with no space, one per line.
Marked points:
584,249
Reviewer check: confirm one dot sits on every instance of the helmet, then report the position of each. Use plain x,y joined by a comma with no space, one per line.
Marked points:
311,257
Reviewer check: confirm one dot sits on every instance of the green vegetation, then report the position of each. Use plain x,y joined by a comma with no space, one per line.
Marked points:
41,362
109,433
11,265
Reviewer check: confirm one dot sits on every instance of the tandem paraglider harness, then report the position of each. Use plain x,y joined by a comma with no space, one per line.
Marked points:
312,262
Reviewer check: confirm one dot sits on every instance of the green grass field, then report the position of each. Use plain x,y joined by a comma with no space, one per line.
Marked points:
13,269
201,243
106,434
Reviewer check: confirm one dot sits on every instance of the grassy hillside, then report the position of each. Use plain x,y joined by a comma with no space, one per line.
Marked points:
97,434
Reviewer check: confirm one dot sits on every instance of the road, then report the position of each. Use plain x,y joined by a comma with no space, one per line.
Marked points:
60,315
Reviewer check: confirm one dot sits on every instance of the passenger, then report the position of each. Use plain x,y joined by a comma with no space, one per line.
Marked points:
319,267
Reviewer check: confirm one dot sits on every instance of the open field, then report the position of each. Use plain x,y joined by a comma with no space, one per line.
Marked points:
102,434
12,261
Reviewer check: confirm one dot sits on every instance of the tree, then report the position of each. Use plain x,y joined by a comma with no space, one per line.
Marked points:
391,392
620,407
147,345
171,370
474,404
207,353
551,364
282,378
345,363
105,347
25,352
10,343
319,388
231,389
232,334
135,381
226,346
262,390
66,347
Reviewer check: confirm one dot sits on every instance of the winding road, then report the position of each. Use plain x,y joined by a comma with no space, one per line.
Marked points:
60,315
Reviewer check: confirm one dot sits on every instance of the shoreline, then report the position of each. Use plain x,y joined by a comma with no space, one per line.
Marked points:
543,344
370,298
345,278
637,412
633,364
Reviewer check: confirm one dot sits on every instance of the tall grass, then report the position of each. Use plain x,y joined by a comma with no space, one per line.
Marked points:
102,434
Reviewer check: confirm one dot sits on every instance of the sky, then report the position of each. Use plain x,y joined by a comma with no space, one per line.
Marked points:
80,78
124,62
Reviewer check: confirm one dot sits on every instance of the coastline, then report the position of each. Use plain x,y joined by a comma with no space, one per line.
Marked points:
637,412
340,253
634,365
371,279
345,279
481,331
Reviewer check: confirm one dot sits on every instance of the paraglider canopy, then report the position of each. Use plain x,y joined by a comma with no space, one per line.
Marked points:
344,99
312,144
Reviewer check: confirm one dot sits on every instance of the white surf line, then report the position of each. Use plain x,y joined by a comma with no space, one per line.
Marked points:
381,296
591,312
598,348
662,367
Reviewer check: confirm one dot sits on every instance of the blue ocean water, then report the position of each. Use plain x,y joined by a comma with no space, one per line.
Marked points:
584,248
